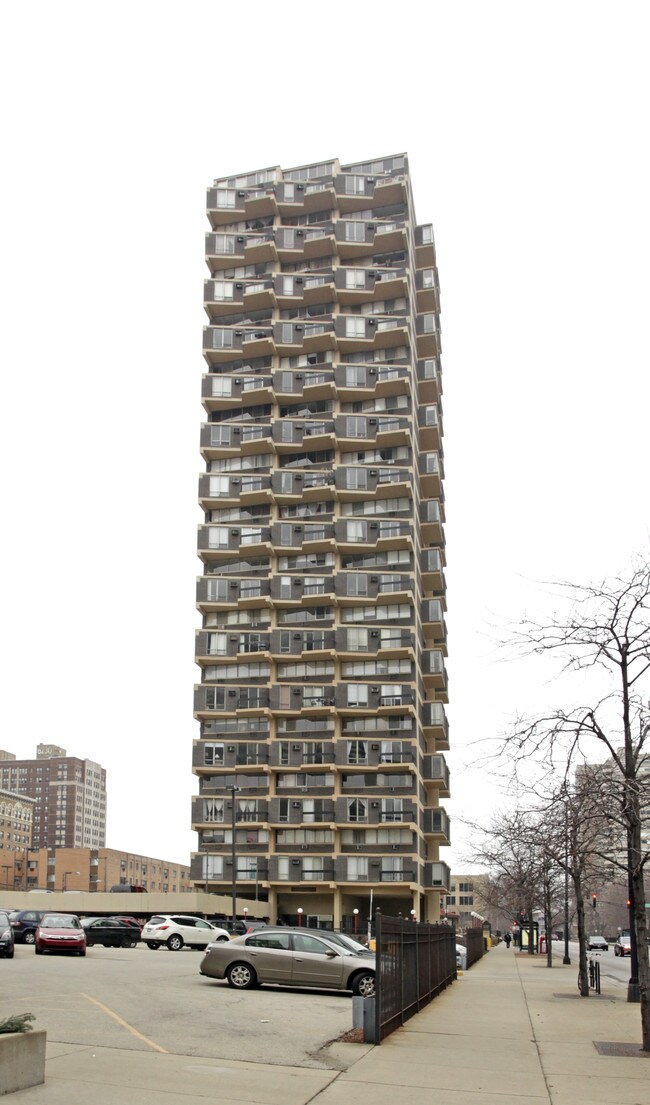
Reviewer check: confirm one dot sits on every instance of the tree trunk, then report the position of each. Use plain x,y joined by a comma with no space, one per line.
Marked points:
547,924
641,934
583,974
531,930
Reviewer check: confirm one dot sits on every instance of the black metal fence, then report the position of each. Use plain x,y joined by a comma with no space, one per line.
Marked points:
415,962
475,944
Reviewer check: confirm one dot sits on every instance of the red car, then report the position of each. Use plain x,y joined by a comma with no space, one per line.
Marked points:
60,932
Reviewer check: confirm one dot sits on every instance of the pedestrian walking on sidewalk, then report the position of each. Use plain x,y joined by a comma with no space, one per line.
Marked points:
507,938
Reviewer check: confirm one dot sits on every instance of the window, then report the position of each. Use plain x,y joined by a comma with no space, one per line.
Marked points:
355,278
357,868
357,694
223,289
213,755
357,640
355,327
428,278
224,243
355,185
213,809
226,197
355,231
217,644
427,235
355,531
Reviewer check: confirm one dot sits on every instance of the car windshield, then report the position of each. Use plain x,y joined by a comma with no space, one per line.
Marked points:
350,946
59,921
157,921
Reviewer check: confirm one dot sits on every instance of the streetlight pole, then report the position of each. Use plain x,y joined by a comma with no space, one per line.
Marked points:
356,919
233,791
300,916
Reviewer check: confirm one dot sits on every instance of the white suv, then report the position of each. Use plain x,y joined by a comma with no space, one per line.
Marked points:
176,930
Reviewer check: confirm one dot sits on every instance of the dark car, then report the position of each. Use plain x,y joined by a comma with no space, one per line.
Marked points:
109,933
6,936
133,921
24,923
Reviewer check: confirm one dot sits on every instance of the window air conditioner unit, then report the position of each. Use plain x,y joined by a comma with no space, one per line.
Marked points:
372,371
304,847
231,748
295,805
375,805
299,376
229,862
241,195
234,533
300,233
297,582
371,226
374,748
295,862
297,529
374,525
299,280
238,333
372,273
372,421
298,328
372,322
374,633
296,636
240,238
375,862
297,748
374,579
233,639
375,690
239,287
373,472
236,429
370,180
238,381
234,584
300,187
296,690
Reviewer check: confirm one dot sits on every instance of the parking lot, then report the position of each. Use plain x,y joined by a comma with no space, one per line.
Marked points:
141,1000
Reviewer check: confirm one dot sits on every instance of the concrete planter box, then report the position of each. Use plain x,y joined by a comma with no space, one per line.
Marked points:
22,1060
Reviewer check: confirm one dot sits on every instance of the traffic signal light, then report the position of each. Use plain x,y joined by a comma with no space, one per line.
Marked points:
594,901
628,903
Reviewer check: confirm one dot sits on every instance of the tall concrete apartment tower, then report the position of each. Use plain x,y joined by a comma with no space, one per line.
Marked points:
323,682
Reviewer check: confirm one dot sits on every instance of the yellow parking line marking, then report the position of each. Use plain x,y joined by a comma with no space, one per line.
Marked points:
125,1024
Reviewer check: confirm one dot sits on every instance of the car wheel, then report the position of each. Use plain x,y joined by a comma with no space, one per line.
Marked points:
10,954
241,976
132,943
153,945
82,952
364,984
39,951
221,940
175,942
30,937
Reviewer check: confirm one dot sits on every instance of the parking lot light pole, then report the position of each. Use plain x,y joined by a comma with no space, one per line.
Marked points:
245,915
566,959
300,916
356,920
234,790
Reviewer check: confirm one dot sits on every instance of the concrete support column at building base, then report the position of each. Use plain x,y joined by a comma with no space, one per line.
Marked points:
432,907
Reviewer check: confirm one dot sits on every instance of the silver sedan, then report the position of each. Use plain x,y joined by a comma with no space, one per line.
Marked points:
289,958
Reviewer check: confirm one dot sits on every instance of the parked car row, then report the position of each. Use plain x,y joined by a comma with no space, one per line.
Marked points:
25,923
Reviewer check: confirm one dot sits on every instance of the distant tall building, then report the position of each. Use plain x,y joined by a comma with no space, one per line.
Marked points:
70,795
322,651
16,820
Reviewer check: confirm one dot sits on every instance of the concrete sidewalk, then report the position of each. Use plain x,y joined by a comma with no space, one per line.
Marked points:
509,1031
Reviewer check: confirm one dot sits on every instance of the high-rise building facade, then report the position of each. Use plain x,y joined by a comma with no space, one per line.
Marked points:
70,793
323,643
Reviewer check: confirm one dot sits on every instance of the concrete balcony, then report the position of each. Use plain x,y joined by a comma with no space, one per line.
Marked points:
312,384
223,392
433,623
219,440
374,753
320,811
221,491
429,380
430,428
312,537
218,542
360,588
230,700
437,876
431,522
432,571
215,593
214,645
368,284
301,871
435,773
434,724
425,250
359,333
375,380
224,206
223,251
393,643
427,335
436,824
296,435
434,673
432,473
288,699
307,643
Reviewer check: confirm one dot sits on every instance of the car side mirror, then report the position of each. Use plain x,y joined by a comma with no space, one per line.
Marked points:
331,955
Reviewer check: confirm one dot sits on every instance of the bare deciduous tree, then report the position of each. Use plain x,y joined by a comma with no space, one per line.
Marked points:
605,628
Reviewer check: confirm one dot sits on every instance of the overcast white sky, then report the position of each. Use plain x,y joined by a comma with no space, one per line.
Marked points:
526,126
